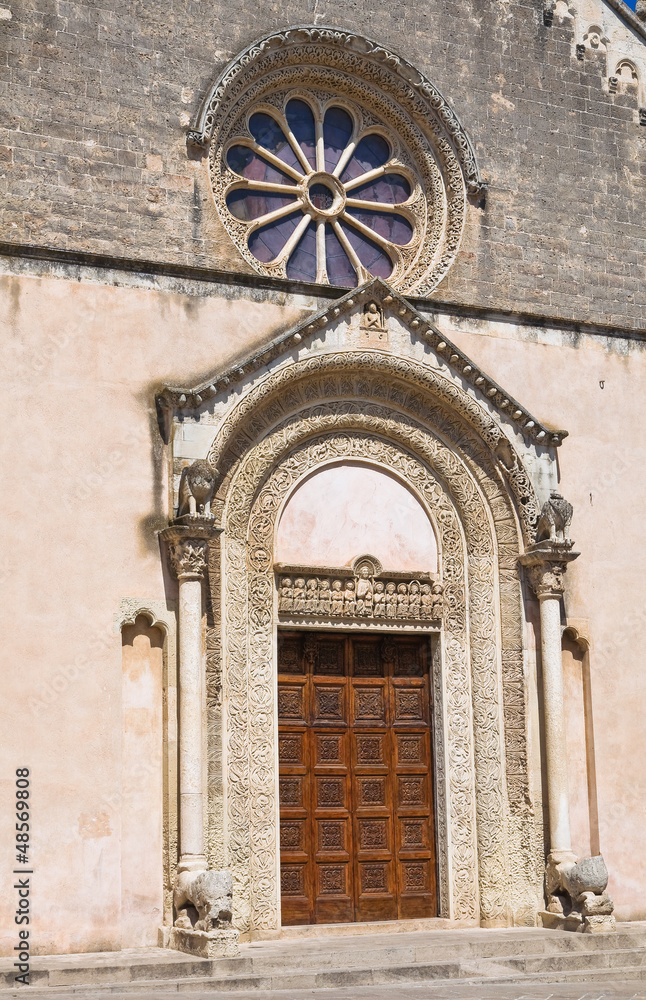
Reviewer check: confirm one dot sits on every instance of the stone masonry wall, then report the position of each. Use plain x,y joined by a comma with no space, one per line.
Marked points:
95,100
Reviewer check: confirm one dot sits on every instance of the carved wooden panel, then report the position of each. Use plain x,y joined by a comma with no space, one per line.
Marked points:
291,791
369,748
290,703
369,705
357,839
289,655
292,836
329,704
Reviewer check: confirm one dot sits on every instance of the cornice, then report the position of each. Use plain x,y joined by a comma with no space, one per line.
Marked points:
630,18
173,398
146,268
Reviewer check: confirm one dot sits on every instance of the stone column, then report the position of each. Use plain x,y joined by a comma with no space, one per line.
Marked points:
576,896
202,898
546,563
188,550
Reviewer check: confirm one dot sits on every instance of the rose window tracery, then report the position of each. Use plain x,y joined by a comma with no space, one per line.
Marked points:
325,194
331,160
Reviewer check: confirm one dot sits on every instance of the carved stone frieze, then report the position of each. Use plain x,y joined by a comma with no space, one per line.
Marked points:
363,594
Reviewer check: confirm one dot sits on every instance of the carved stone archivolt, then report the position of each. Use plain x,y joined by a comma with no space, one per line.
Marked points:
383,92
370,377
285,427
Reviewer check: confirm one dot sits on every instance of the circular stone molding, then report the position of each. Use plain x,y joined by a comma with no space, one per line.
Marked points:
305,211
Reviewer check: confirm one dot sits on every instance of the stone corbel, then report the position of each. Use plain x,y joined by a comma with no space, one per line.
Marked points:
575,889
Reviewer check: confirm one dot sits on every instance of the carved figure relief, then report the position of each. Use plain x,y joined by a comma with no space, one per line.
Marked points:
373,317
286,599
360,596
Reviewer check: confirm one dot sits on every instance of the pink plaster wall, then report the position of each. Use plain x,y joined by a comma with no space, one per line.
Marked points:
349,509
84,487
596,391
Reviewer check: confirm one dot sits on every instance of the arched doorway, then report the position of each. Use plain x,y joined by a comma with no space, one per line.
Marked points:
356,780
369,406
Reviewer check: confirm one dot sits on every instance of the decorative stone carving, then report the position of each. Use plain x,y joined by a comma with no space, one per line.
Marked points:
454,358
196,488
372,317
546,563
384,91
189,557
290,470
555,519
576,895
286,596
405,430
436,602
188,547
362,595
211,893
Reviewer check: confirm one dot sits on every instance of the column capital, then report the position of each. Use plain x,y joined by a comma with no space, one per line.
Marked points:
545,563
188,547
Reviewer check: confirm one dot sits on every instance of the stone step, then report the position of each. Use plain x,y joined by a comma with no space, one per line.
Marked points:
597,966
336,961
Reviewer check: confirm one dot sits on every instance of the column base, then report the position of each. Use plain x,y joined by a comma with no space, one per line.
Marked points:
192,863
604,924
205,944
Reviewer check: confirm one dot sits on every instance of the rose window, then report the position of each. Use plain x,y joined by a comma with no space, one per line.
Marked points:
316,190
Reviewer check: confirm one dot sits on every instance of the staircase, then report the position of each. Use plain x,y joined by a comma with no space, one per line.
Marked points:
334,959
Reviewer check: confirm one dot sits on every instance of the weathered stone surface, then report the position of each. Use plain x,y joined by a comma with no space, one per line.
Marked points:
587,875
205,944
102,165
211,893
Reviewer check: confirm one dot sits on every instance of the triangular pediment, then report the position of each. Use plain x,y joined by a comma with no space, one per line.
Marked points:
372,317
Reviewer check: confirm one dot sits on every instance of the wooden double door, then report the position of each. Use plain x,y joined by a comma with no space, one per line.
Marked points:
357,835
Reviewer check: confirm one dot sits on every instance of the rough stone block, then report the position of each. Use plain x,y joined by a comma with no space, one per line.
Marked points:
206,944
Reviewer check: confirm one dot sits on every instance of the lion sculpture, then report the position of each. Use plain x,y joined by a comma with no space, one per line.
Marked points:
196,488
210,893
555,518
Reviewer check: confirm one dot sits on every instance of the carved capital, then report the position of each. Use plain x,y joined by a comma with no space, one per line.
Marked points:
545,564
188,549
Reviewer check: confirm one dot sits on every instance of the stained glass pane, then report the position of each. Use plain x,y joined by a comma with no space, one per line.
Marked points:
373,258
267,242
268,133
302,263
391,189
390,225
339,269
246,205
245,162
371,152
301,121
337,132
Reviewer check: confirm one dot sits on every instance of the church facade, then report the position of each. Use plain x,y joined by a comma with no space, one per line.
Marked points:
324,529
